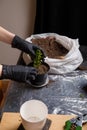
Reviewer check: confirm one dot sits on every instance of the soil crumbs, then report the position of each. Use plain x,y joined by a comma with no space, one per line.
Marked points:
51,47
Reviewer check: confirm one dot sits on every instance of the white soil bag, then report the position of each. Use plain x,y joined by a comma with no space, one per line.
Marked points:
71,60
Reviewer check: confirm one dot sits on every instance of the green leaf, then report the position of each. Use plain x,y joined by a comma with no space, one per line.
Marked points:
38,59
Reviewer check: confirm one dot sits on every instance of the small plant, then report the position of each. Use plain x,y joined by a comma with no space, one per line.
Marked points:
81,95
38,58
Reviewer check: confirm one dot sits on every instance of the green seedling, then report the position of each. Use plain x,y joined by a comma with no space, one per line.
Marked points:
38,59
81,95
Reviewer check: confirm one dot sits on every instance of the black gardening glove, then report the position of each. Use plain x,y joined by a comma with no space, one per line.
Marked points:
26,46
18,73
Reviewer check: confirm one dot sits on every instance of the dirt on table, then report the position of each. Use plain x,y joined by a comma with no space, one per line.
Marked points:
51,47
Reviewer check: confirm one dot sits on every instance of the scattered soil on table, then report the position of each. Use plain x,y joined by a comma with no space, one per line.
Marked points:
51,47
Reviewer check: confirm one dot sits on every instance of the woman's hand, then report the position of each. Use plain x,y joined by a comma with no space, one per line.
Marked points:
18,73
26,46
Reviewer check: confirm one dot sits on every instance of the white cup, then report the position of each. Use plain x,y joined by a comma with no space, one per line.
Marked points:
33,114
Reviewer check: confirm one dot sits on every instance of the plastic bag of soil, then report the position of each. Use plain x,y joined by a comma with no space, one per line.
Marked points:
65,63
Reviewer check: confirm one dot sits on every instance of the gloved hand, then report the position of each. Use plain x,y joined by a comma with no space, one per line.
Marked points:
26,46
18,73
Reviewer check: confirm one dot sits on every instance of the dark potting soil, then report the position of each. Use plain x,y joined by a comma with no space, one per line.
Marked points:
42,69
51,47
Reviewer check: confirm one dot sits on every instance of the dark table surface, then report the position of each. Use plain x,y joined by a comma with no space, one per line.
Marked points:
66,95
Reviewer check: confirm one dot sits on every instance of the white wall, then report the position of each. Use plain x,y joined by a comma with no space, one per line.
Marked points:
18,17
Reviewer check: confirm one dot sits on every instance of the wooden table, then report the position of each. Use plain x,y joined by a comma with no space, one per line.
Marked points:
12,121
